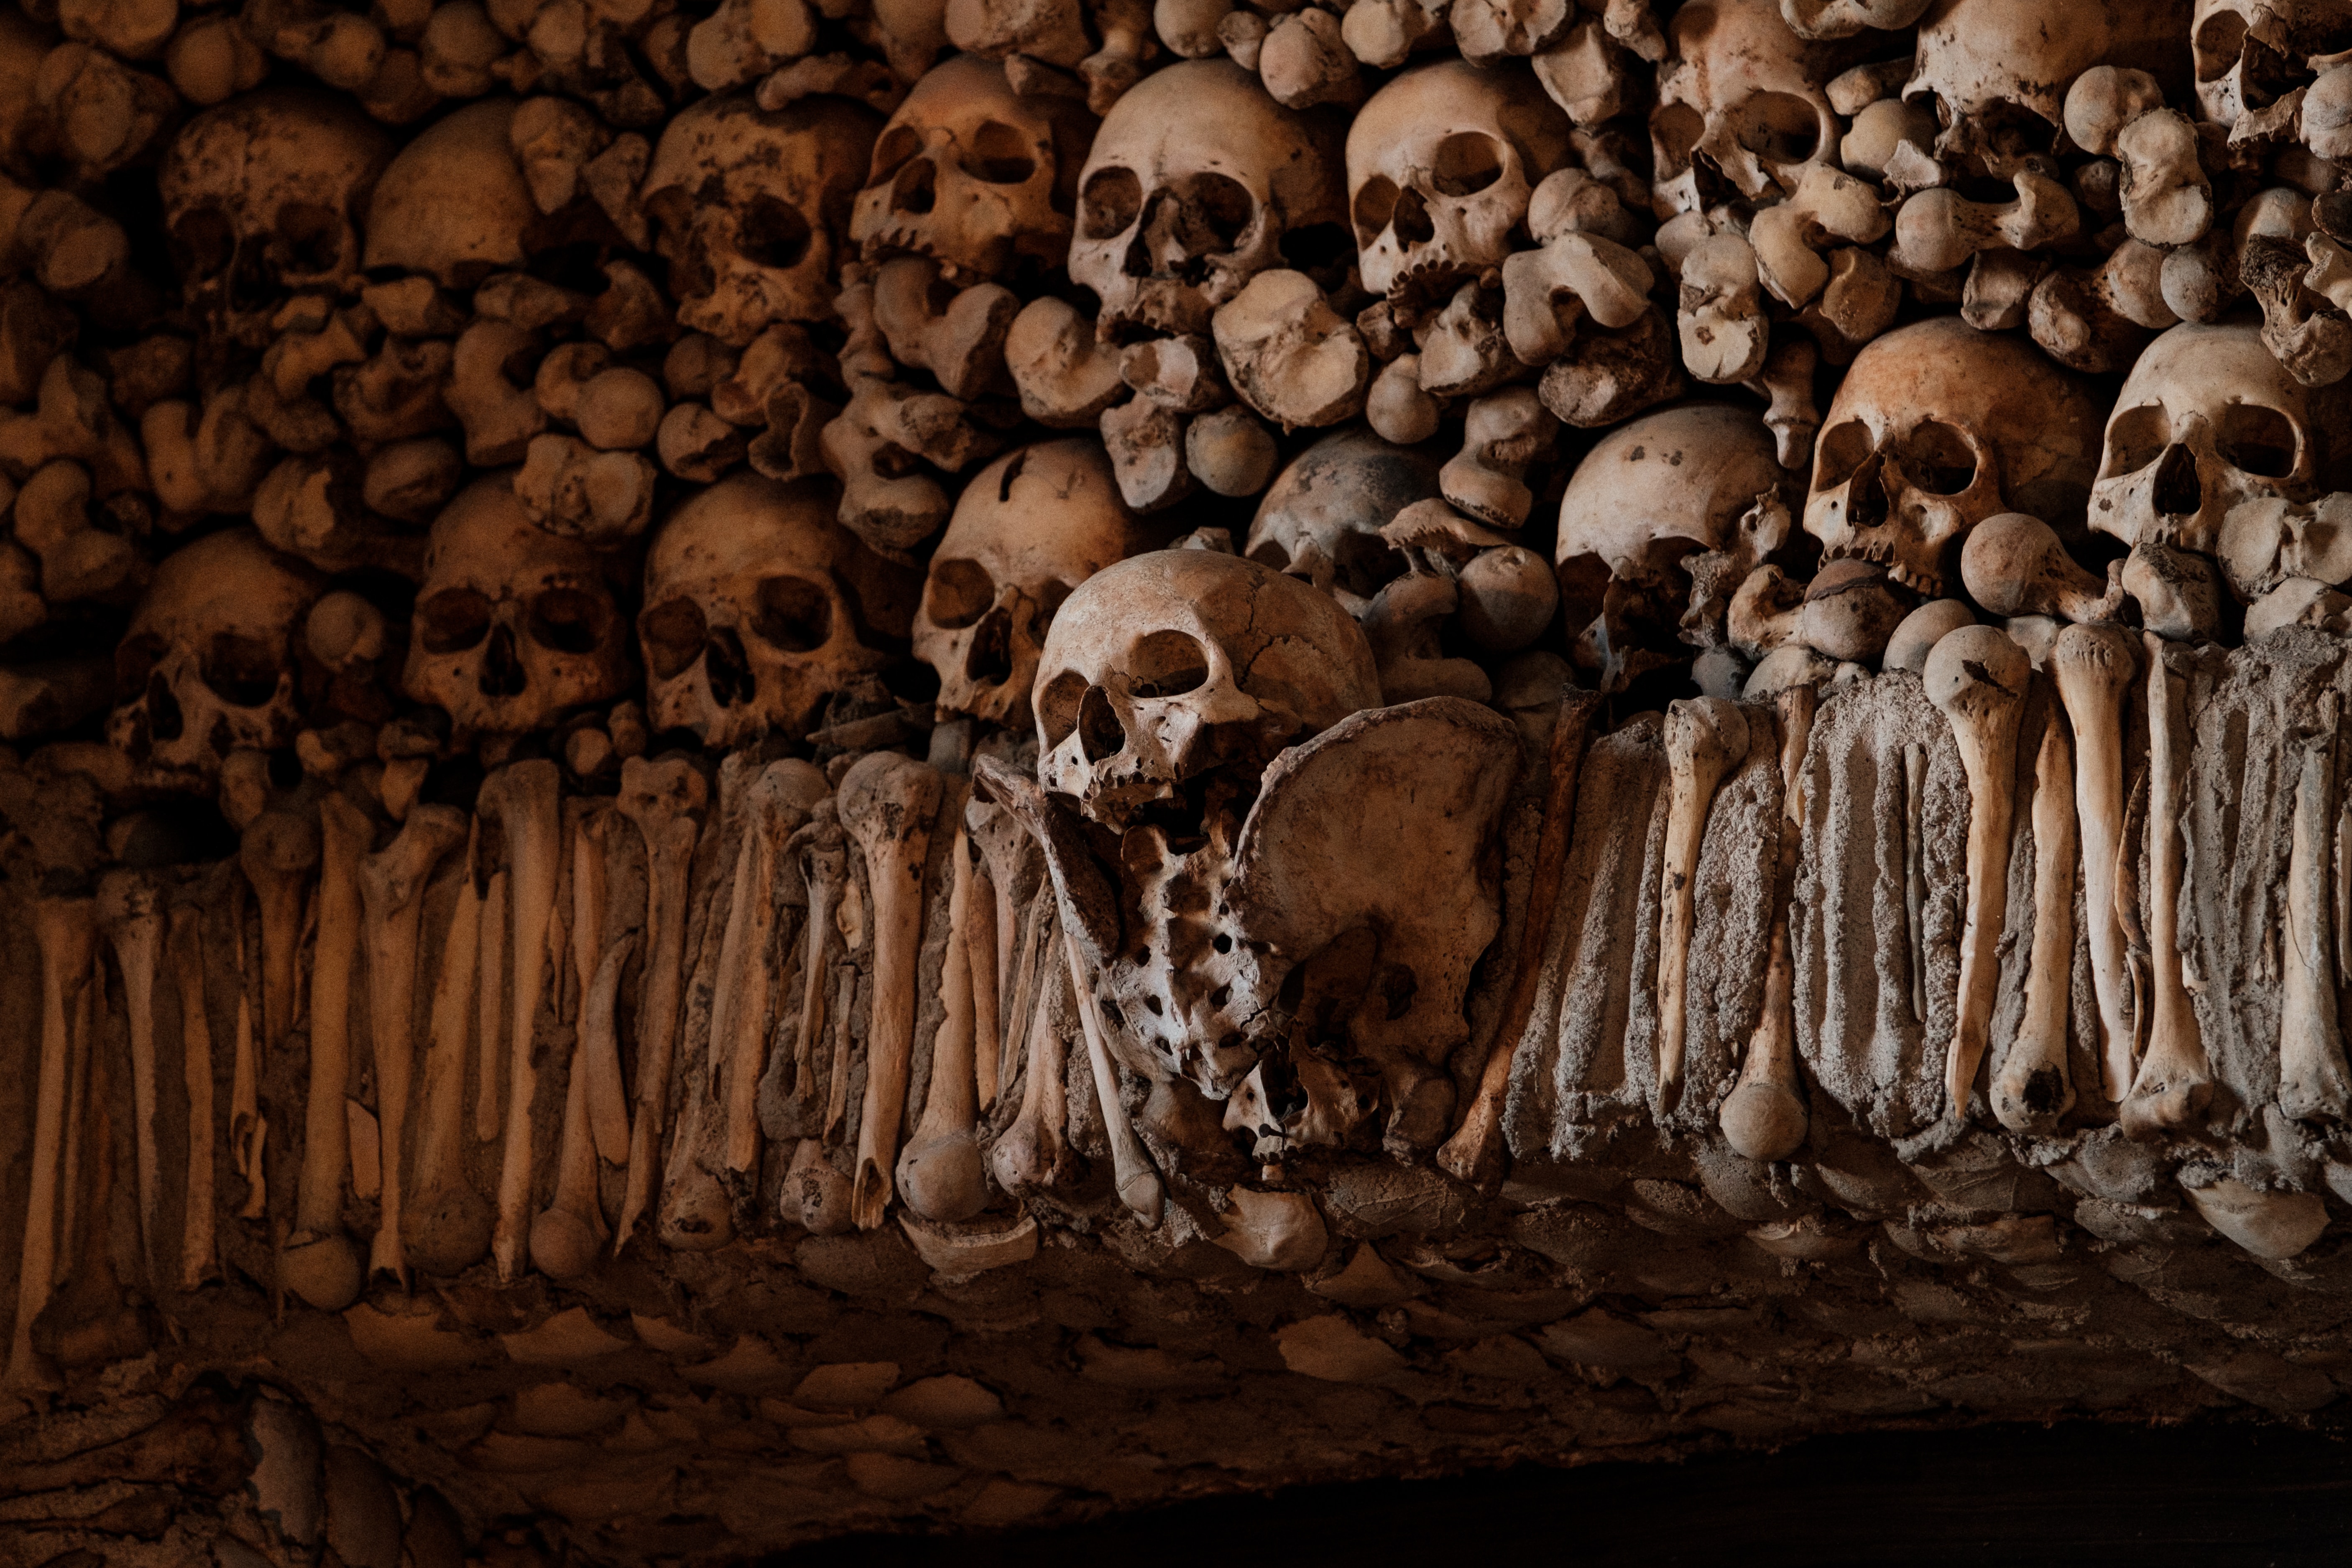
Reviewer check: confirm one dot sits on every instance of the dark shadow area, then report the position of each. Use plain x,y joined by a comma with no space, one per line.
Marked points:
2217,1497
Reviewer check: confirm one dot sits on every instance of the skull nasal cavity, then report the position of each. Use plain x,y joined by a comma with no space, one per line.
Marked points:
1100,733
1412,219
502,672
163,719
989,660
911,192
2178,493
728,672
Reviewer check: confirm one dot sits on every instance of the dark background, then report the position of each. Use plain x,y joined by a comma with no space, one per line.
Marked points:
2211,1495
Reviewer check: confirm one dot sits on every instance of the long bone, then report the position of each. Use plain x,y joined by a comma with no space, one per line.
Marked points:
66,931
1764,1117
2092,667
2174,1082
2313,1083
886,803
818,848
2034,1090
569,1233
779,806
249,1130
199,1257
692,1213
1915,876
1140,1186
489,1003
597,1051
278,852
940,1172
448,1226
665,799
523,799
980,970
392,899
1707,737
1034,1154
318,1262
1977,677
1012,859
129,908
1474,1153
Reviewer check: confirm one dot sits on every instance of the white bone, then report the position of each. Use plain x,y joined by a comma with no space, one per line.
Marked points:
1939,229
318,1262
1033,1156
2034,1090
2092,667
1546,292
1788,236
2014,565
2174,1082
66,932
199,1256
940,1171
128,905
1724,332
523,798
1066,377
887,804
2167,201
1764,1117
1705,739
1289,354
1140,1186
665,800
1977,677
2313,1083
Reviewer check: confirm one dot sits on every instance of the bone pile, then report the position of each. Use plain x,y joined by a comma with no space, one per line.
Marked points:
757,759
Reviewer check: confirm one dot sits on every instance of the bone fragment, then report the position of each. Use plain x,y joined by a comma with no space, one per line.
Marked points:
1707,737
199,1256
1473,1152
1977,677
940,1171
66,931
2174,1083
2092,667
2034,1090
392,895
128,907
523,798
448,1226
318,1262
1764,1118
665,799
2313,1083
886,803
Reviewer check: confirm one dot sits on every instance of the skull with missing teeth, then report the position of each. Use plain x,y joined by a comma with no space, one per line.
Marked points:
1441,164
513,626
747,626
751,205
1168,670
1027,530
1937,427
2207,420
209,665
1198,182
974,176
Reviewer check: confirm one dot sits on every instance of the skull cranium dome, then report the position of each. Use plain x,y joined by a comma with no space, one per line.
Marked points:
454,205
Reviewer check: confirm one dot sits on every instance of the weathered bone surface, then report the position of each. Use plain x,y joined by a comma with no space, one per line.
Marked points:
772,768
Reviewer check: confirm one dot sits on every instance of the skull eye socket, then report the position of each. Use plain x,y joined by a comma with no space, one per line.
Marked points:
795,615
1364,563
1106,208
1780,128
312,237
205,242
673,633
1057,707
2256,441
453,620
2137,437
1938,460
1375,204
2218,43
1843,449
999,155
568,620
1225,207
1165,664
1466,163
773,234
898,143
958,593
241,671
1271,555
1675,129
135,659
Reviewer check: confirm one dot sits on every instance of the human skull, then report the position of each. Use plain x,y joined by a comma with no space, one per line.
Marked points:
262,197
973,174
1027,530
1166,667
1321,520
454,205
209,664
1199,181
1937,427
2206,420
513,626
1999,70
1652,495
1742,97
1441,164
2250,53
747,627
751,205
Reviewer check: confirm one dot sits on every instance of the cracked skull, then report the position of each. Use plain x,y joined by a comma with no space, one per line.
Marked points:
1027,530
1741,100
513,626
209,663
1935,428
1441,164
2207,419
1198,182
974,176
1169,668
751,205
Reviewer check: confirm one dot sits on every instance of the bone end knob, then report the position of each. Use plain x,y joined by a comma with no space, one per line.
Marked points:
2093,666
1977,677
1705,737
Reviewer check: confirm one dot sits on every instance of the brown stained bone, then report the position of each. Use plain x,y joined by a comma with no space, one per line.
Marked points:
392,895
780,804
2092,667
820,854
2014,565
2174,1082
887,804
1034,1157
1764,1118
199,1253
590,822
129,908
2034,1090
2314,1085
523,799
665,800
278,853
568,1236
1474,1153
318,1262
1706,738
449,1222
66,930
491,1007
940,1172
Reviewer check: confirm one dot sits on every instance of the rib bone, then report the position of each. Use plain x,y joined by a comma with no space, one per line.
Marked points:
1977,677
1707,737
886,803
2174,1082
2092,667
2034,1089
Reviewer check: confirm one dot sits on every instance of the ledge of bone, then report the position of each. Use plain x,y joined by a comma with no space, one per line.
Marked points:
760,758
